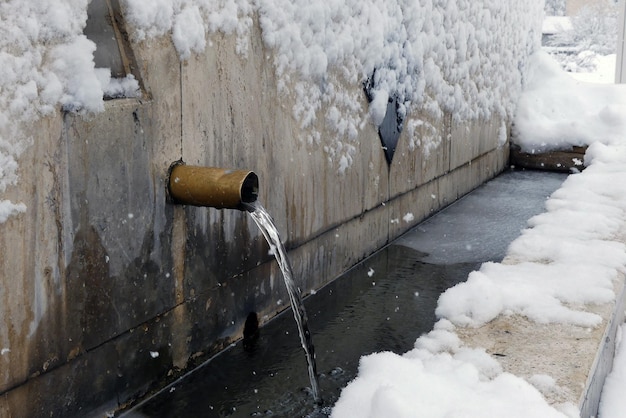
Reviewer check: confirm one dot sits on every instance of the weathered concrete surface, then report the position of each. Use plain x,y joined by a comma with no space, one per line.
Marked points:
106,290
577,358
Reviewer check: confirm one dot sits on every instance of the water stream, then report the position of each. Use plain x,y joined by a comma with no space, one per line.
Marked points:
268,228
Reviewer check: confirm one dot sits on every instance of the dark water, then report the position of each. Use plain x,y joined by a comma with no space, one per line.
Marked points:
353,316
384,303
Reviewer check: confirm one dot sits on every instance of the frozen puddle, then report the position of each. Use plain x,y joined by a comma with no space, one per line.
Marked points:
382,304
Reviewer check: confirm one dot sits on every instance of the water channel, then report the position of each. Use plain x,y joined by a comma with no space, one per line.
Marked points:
383,303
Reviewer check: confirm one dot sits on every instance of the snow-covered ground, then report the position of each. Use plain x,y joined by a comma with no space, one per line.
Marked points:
559,110
551,283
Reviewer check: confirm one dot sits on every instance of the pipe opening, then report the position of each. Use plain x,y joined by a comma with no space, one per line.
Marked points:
250,188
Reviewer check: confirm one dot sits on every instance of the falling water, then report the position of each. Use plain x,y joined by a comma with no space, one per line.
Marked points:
268,228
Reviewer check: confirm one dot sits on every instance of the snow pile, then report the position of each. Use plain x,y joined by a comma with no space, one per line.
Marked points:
568,258
189,21
604,70
117,88
439,378
550,117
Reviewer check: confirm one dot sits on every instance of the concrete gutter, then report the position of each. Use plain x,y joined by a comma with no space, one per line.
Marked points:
577,358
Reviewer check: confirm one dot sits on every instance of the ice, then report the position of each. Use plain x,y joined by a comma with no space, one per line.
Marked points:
469,218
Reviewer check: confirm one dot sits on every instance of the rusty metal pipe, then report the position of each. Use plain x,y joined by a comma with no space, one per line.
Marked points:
212,186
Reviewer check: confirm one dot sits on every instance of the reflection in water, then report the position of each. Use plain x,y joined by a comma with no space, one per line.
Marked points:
355,315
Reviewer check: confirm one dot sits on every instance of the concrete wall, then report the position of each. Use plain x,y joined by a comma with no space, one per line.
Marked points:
101,271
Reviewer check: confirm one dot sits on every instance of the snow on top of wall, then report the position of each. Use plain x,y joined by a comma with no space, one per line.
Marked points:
462,57
189,21
43,61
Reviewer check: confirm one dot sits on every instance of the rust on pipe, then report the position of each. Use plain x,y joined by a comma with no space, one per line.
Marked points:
212,186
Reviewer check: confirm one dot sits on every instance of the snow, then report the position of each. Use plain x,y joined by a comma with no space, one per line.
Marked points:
463,58
604,70
551,117
556,24
188,32
189,21
115,88
458,57
568,257
46,63
468,394
541,292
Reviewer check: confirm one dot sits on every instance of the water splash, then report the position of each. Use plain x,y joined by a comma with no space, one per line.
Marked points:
269,231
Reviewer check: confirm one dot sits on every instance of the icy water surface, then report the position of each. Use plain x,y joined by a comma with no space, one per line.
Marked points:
384,303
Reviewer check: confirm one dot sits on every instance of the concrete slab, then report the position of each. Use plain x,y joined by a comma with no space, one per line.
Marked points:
577,358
